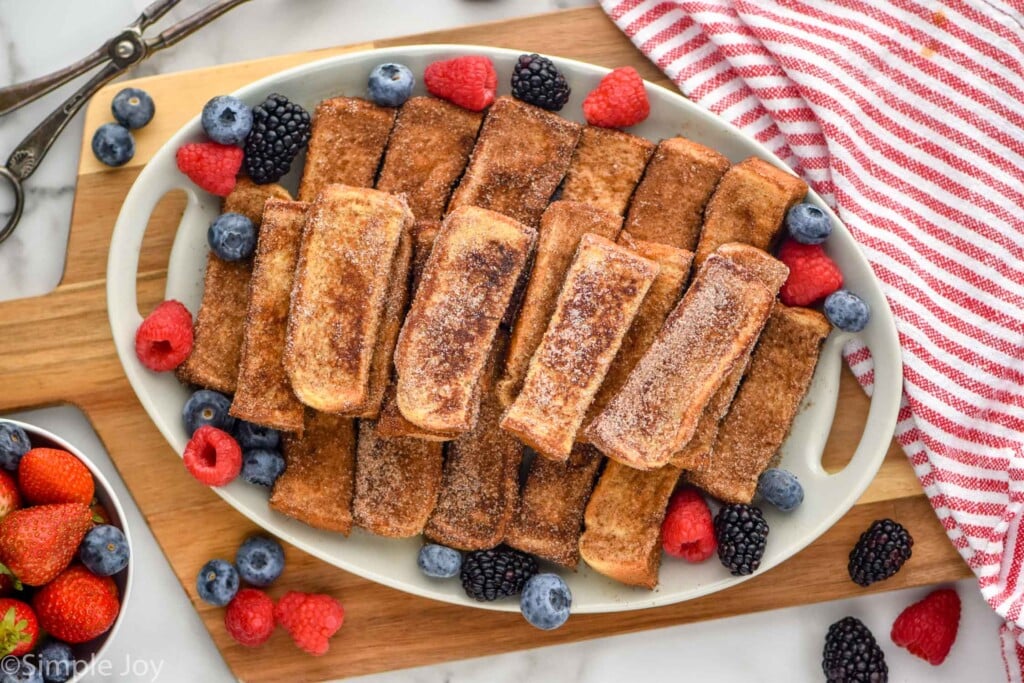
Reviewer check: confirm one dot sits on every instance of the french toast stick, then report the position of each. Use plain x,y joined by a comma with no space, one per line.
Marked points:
781,369
606,166
662,297
748,206
519,160
348,247
480,483
263,394
346,144
219,326
668,205
317,483
602,293
773,274
656,412
397,482
427,152
449,329
549,514
622,523
561,227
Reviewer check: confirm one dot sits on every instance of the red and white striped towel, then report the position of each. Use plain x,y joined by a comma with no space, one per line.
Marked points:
907,116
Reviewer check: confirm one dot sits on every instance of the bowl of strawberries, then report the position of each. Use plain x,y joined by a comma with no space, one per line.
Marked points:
65,558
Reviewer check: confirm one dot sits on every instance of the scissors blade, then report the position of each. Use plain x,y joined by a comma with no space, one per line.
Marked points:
190,25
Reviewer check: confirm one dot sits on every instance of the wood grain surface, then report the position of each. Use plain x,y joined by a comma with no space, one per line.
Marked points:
57,349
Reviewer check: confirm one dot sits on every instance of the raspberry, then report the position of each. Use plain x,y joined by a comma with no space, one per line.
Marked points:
688,531
249,618
310,618
164,339
928,628
469,82
210,165
618,101
812,274
213,456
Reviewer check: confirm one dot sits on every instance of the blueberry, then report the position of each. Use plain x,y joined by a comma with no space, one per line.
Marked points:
217,582
780,488
251,435
390,85
227,119
808,224
260,560
56,661
24,672
545,601
261,466
14,443
847,311
133,108
439,562
232,237
206,407
104,550
113,144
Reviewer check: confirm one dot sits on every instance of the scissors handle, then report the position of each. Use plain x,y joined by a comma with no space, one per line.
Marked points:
191,24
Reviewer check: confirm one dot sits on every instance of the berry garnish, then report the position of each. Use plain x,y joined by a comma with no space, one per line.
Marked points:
260,560
10,497
113,144
133,108
50,475
619,100
545,601
164,339
468,81
249,618
104,550
213,457
19,629
927,629
210,165
207,407
252,435
780,488
217,582
847,311
537,81
226,119
280,129
808,224
497,573
687,530
812,274
261,466
880,552
232,237
439,562
741,533
852,654
56,661
14,443
310,619
390,85
77,606
38,543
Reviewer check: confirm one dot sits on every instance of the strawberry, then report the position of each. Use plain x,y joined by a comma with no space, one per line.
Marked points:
49,475
618,101
19,629
812,274
10,498
77,606
37,543
928,628
468,81
210,165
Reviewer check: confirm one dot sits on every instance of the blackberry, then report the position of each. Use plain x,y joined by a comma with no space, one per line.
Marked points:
538,81
280,129
496,573
880,552
741,533
852,654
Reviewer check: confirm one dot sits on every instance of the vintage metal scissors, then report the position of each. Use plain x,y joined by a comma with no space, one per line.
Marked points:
117,55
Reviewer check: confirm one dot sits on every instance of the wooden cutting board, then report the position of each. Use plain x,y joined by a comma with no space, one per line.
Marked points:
57,348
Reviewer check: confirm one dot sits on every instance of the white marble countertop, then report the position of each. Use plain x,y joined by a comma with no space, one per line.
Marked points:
41,35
